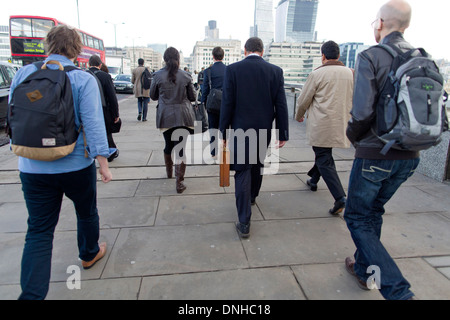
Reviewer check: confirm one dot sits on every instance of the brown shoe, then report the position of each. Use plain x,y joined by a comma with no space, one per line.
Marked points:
169,165
101,253
349,264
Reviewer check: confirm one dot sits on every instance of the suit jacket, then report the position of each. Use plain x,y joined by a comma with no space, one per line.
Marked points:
253,97
217,74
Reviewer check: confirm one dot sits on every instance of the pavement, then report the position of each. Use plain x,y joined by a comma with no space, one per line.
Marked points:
165,246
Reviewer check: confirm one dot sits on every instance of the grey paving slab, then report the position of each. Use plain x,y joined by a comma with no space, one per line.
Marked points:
163,187
412,199
442,261
115,213
13,217
199,209
109,289
303,241
175,249
245,284
331,281
426,282
414,235
295,204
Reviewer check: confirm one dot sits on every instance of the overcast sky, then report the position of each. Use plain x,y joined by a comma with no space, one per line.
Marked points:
180,23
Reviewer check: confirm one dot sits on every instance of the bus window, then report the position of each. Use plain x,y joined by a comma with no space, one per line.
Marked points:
101,45
21,28
41,27
90,42
96,45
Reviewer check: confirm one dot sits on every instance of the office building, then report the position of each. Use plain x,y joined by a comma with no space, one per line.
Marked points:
263,27
202,54
5,49
350,51
296,21
211,31
297,60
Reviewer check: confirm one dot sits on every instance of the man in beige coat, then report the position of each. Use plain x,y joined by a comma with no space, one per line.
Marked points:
140,93
327,99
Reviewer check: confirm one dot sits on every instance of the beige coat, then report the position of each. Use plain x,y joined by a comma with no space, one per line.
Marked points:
136,80
327,99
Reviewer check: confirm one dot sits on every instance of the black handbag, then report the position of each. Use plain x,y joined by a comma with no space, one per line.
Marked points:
115,127
200,115
214,99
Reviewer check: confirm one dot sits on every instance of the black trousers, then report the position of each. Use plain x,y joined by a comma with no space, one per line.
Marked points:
247,185
213,119
325,167
179,141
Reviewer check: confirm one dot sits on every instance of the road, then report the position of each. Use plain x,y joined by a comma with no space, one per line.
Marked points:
4,138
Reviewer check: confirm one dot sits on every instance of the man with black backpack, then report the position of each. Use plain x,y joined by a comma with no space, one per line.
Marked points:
44,182
377,171
141,89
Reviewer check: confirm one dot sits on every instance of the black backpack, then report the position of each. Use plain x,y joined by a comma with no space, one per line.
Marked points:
41,117
146,79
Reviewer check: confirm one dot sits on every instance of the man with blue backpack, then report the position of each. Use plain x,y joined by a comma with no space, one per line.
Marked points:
398,110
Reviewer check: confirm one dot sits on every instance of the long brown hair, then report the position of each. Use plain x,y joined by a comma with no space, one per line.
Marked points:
172,60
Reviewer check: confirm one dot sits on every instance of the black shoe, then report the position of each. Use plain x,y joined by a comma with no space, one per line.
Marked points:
243,230
339,206
139,117
312,186
253,202
113,156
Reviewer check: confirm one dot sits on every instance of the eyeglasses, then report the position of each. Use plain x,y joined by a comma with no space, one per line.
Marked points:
373,23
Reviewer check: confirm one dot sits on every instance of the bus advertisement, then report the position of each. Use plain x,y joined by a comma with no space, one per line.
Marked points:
27,34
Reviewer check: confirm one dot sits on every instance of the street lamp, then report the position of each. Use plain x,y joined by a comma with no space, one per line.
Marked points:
115,31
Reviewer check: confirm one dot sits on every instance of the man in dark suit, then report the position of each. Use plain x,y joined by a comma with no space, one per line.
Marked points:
253,97
213,79
109,100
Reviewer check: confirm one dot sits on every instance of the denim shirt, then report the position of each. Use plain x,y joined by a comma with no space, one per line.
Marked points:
88,111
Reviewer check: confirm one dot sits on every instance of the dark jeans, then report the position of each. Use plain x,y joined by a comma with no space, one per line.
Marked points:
43,196
247,185
324,167
213,122
143,106
372,184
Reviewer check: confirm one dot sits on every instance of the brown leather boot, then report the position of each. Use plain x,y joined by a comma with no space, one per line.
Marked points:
180,170
169,165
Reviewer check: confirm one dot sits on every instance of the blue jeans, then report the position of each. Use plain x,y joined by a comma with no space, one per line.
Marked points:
372,184
43,196
143,106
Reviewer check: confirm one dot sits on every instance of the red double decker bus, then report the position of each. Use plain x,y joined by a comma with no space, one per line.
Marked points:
27,34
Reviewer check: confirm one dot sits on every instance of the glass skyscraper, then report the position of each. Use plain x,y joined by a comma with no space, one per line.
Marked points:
264,26
296,21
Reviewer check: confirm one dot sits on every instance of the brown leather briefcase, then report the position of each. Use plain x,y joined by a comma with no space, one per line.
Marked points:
225,168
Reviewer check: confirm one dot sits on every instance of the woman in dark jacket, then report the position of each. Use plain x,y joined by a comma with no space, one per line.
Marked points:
174,90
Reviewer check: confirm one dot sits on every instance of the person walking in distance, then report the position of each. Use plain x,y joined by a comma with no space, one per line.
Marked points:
253,97
174,91
375,177
143,95
111,107
45,183
213,80
327,97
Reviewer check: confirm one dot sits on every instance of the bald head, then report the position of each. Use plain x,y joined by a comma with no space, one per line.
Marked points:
396,15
